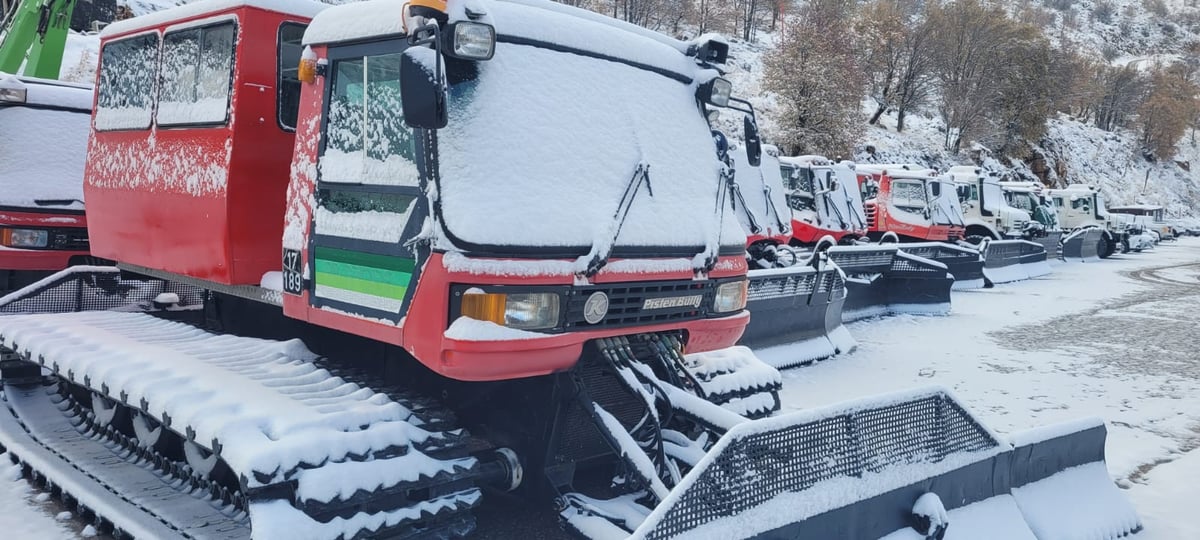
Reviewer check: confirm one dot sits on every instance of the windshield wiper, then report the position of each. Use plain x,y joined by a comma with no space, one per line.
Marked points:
598,256
56,202
712,248
735,190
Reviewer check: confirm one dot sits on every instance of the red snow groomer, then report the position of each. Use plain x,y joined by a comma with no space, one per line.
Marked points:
914,203
436,253
795,298
43,141
824,199
917,206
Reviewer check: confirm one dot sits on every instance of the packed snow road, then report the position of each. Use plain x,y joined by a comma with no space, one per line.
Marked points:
1115,339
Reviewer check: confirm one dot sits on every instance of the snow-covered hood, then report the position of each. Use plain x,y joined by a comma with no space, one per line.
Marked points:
541,146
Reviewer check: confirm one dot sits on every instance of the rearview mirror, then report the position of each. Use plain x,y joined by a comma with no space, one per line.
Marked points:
753,144
423,95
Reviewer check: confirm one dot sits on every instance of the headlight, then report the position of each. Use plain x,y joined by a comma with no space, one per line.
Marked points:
24,238
473,41
731,296
523,311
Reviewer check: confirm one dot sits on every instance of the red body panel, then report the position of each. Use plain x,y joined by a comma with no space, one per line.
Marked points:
808,234
880,218
422,332
205,202
39,259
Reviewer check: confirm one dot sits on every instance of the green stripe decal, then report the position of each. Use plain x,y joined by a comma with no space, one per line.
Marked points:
361,285
368,273
386,262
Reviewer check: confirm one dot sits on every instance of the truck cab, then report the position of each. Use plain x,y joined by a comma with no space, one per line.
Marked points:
914,202
985,208
43,141
1080,206
1031,198
824,199
1151,216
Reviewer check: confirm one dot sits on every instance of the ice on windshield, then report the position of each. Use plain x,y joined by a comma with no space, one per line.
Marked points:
41,156
540,147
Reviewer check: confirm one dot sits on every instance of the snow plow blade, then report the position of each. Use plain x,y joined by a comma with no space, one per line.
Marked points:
798,304
965,264
1052,243
1006,261
1082,245
872,469
885,279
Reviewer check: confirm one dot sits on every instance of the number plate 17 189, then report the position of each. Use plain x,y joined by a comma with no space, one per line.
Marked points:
293,279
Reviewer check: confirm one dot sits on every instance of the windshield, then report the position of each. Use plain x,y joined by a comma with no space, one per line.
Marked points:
42,154
541,145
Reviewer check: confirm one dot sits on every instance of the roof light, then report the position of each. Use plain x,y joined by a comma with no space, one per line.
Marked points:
473,41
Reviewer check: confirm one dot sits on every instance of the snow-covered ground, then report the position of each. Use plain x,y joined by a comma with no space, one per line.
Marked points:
29,514
1115,339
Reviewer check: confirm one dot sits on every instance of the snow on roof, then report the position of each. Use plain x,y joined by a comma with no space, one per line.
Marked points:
896,170
530,19
301,8
51,93
806,160
1136,207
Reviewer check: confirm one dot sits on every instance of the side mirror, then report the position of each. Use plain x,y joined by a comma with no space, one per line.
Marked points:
715,92
753,144
936,189
423,92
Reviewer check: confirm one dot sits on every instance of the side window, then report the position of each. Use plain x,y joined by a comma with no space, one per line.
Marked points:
366,139
197,75
288,85
127,75
908,195
1058,202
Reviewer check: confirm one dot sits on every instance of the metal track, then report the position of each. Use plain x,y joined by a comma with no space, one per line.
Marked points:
103,477
432,503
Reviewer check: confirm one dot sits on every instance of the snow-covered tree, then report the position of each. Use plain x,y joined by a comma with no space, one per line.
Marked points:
813,72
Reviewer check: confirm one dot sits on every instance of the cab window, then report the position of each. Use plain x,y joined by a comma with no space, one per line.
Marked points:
908,195
288,83
366,139
128,69
197,75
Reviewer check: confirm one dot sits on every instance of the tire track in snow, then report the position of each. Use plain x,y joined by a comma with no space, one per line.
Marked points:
1152,331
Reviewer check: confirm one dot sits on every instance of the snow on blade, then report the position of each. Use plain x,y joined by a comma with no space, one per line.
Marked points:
996,518
1080,503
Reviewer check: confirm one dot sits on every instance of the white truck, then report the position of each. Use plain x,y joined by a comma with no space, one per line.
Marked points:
1031,198
986,210
1081,206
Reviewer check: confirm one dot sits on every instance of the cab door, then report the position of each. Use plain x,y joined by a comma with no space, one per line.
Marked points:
370,205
